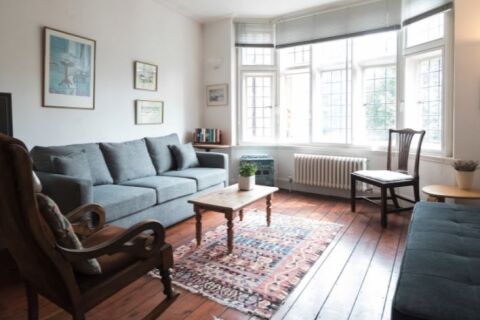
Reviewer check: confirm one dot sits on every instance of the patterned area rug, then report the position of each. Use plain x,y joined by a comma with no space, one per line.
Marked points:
266,265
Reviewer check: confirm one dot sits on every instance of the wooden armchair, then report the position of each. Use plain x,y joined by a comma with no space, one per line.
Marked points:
124,255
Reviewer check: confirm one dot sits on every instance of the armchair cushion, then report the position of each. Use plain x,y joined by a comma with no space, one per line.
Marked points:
185,156
73,165
64,234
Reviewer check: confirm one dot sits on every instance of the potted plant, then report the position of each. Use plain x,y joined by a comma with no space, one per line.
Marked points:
246,179
464,172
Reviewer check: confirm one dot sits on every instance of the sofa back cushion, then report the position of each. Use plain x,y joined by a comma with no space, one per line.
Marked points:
161,155
73,165
128,160
42,160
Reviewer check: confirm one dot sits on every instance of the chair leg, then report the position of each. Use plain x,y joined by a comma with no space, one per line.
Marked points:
167,283
353,191
394,198
416,191
383,220
32,300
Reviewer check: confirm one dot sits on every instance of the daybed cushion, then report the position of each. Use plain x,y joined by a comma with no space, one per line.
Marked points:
161,156
205,177
128,160
42,160
166,188
73,165
120,201
440,277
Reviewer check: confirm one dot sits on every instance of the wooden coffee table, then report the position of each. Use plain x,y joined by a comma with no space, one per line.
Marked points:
229,201
438,193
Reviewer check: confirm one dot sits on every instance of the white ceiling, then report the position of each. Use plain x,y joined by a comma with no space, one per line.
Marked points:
208,10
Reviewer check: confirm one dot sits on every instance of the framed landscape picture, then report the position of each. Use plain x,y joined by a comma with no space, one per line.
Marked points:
217,95
68,70
148,112
146,75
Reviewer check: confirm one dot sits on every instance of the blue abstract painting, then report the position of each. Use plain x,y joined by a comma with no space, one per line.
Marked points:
70,67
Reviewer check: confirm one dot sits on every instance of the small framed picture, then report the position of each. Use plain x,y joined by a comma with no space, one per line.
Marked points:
68,70
148,112
217,95
146,75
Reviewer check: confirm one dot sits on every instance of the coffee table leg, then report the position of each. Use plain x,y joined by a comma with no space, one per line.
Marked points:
198,226
269,209
229,216
240,213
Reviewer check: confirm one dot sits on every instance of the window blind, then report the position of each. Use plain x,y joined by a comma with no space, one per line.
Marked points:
254,35
414,10
373,16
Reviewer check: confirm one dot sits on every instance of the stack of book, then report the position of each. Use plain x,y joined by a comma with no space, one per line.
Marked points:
207,135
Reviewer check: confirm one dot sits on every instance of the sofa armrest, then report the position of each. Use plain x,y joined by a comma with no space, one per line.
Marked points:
214,160
68,192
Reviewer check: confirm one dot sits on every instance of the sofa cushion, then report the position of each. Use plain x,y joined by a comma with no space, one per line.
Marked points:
128,160
185,156
73,165
120,201
167,188
42,160
64,233
439,277
205,177
161,155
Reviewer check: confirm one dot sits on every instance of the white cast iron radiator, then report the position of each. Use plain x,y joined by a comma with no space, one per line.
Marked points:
327,171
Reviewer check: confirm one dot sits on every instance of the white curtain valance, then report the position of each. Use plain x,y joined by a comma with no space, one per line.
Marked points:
374,16
254,35
414,10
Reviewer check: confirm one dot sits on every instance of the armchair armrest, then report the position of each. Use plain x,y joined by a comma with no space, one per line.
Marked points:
68,192
130,241
87,219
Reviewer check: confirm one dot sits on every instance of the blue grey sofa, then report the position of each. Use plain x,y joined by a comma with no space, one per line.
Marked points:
133,180
439,277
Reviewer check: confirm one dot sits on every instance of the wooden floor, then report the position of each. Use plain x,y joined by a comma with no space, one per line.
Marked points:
353,279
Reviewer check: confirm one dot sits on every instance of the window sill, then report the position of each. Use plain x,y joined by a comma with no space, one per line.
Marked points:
344,150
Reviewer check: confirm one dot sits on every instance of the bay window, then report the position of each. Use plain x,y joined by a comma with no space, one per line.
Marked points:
350,91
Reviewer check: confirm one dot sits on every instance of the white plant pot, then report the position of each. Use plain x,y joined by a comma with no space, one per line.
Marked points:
246,183
464,179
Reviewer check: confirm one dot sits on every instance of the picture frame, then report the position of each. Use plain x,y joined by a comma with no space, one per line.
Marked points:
149,112
68,70
217,95
145,76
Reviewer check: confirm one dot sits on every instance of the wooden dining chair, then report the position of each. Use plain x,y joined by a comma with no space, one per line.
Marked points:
124,255
388,180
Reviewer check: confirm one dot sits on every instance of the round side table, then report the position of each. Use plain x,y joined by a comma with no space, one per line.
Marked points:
438,193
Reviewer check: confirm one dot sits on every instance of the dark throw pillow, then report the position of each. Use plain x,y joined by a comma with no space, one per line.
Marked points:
73,165
64,234
185,156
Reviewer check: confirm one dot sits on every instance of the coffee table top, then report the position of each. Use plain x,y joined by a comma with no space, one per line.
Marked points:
232,199
453,192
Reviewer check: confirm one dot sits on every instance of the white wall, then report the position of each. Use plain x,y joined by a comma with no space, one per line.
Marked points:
466,115
125,31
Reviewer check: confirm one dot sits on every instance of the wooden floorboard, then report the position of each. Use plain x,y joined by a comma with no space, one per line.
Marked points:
354,278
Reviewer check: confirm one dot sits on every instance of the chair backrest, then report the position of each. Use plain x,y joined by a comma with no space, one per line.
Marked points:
25,233
404,141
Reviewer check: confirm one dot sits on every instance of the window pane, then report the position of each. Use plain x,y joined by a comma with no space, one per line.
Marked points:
374,110
258,105
424,93
425,30
295,107
257,56
332,97
295,56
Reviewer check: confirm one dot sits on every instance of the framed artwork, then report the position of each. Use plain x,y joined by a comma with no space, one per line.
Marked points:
146,76
68,70
148,112
217,95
